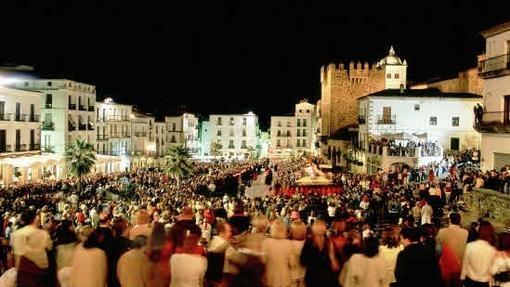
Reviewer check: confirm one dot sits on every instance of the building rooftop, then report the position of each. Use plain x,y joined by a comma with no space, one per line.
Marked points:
496,30
422,93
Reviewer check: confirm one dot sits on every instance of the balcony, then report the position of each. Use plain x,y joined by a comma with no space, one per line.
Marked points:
113,118
34,118
72,106
140,134
91,108
20,117
34,146
5,148
102,137
119,135
362,120
82,107
47,126
48,149
386,119
494,67
5,117
494,122
20,148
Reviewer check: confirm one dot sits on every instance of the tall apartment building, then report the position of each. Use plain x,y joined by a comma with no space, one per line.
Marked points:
148,136
494,69
183,130
19,132
67,112
113,128
294,134
237,134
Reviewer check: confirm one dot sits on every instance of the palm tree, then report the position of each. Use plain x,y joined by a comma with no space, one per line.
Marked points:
80,158
178,162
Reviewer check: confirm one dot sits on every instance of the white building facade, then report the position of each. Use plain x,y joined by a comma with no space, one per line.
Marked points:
67,112
184,130
19,131
295,134
113,130
494,69
237,134
426,115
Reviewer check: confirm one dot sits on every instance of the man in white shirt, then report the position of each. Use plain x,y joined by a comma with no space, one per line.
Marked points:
426,214
30,244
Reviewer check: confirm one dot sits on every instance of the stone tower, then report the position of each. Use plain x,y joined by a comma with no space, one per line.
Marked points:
341,86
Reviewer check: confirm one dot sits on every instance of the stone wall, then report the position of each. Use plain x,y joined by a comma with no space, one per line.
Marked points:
489,204
340,88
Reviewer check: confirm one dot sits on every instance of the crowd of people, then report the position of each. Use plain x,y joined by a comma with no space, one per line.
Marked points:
405,148
145,228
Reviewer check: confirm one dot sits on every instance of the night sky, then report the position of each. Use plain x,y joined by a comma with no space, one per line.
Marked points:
236,56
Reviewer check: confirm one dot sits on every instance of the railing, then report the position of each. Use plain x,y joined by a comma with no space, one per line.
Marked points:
91,108
102,137
5,148
361,120
34,118
119,135
20,117
498,122
20,148
47,126
386,120
48,149
82,107
35,146
5,117
140,134
72,106
494,64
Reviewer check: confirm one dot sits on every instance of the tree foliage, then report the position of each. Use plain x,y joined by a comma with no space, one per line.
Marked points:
80,157
178,162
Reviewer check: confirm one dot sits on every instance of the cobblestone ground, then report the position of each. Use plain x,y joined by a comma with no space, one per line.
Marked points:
258,188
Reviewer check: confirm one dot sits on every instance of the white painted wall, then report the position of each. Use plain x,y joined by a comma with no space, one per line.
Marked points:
411,121
25,124
493,143
236,136
64,92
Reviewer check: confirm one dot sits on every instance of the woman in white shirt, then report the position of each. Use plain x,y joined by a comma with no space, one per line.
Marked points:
389,251
367,269
478,257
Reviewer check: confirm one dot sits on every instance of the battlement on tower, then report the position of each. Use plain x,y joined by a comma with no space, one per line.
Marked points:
353,72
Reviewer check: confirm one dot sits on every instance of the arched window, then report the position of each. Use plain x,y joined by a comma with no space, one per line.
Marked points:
388,76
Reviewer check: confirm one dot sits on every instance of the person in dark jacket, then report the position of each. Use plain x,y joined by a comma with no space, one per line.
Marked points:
417,264
238,221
